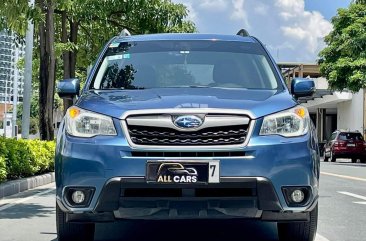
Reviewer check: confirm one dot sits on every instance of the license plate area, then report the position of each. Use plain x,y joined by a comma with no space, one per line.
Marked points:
183,172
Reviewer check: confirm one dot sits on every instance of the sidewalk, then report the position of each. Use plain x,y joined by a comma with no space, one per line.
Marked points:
23,184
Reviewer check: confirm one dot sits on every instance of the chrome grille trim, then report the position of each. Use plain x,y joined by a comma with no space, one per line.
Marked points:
195,111
188,111
165,120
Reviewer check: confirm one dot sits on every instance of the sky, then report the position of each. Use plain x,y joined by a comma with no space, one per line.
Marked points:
292,30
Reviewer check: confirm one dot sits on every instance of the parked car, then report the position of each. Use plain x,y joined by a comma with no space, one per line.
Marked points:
186,126
345,144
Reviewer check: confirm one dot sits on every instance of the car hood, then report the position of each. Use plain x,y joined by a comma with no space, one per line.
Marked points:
115,102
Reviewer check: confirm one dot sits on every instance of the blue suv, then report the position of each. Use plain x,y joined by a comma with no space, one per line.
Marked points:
186,126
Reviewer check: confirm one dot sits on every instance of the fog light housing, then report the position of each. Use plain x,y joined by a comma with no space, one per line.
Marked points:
78,197
297,196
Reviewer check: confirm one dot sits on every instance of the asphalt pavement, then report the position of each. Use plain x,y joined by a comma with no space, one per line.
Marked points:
342,216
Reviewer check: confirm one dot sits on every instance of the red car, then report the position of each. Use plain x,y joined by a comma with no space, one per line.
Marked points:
345,144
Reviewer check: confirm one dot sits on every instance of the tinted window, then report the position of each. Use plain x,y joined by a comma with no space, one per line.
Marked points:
350,136
159,64
333,136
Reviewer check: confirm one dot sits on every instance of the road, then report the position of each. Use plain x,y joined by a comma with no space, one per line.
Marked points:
342,216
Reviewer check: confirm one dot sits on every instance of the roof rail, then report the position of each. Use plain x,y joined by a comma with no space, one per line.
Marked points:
244,33
125,33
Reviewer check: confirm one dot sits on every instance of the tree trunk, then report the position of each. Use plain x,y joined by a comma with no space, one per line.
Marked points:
74,28
66,54
69,57
66,58
47,73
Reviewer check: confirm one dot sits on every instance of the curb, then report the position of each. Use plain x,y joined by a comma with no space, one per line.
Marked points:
21,185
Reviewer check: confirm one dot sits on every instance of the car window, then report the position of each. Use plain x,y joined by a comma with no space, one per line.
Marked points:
350,136
184,64
333,136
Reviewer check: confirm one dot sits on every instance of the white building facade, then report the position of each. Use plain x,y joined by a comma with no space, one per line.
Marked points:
10,54
329,110
11,79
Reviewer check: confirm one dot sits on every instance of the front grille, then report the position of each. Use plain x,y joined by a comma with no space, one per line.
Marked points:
159,136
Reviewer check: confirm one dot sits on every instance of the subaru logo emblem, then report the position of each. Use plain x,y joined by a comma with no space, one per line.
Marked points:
188,121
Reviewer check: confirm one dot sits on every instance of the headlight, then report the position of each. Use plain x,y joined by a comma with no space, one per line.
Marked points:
83,123
289,123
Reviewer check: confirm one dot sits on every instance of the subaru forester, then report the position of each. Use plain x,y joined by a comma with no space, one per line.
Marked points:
186,126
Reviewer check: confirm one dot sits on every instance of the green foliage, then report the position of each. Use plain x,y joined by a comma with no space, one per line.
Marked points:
101,20
2,169
82,27
23,158
343,61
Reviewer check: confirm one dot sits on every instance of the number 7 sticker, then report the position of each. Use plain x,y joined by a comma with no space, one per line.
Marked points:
214,172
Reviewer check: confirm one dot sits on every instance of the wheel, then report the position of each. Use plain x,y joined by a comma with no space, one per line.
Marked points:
72,231
299,231
363,160
325,158
332,157
354,160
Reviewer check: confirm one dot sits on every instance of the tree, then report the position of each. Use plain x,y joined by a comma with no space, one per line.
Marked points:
86,25
343,61
47,70
72,33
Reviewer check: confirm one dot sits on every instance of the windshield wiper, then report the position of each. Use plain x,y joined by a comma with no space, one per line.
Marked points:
189,86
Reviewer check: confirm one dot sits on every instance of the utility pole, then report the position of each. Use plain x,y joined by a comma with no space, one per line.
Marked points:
27,94
15,94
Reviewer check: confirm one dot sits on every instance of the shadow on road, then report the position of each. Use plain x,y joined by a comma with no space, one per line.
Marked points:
27,211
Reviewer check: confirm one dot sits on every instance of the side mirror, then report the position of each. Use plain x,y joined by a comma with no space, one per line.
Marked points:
301,87
68,88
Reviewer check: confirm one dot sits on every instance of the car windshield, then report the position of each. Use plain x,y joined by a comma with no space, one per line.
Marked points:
350,136
205,63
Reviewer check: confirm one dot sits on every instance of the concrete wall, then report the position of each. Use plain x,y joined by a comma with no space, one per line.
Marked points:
321,83
350,113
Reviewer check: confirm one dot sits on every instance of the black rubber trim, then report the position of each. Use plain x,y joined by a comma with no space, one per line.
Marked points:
267,196
285,216
90,217
110,196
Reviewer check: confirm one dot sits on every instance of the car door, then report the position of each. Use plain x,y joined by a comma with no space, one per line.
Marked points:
328,146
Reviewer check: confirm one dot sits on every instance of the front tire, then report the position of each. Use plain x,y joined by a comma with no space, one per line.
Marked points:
325,158
332,157
72,231
299,231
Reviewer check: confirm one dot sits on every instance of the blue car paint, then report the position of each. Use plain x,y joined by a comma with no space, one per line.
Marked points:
93,161
115,102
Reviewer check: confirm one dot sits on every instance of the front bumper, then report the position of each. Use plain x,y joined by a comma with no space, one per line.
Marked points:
132,198
268,164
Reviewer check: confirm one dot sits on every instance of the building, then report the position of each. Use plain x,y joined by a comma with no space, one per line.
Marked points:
329,110
10,53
